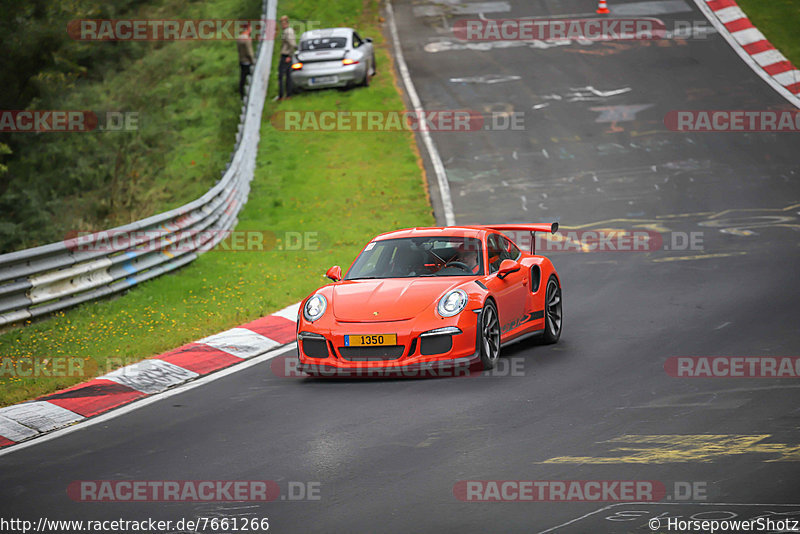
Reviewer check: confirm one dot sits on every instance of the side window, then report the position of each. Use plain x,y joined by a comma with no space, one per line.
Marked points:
357,40
495,251
510,250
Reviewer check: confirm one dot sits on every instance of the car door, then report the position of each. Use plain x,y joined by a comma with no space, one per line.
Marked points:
510,292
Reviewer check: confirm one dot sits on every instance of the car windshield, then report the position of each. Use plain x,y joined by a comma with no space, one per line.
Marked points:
323,43
419,256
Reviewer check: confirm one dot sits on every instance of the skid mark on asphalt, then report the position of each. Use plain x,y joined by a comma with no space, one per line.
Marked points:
700,257
719,399
662,449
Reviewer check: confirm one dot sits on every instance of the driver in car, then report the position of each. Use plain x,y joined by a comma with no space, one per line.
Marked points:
470,259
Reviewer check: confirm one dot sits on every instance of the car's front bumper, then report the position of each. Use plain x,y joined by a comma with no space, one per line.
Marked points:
322,350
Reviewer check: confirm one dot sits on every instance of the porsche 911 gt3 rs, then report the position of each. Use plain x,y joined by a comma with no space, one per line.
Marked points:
430,298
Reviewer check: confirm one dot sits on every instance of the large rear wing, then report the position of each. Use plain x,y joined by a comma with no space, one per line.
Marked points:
532,228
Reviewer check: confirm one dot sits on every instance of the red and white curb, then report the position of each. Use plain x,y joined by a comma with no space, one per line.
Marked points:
732,23
29,420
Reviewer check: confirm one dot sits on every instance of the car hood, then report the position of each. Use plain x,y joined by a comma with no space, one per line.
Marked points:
394,299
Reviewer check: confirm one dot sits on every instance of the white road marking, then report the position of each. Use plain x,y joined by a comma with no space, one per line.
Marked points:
240,342
15,431
486,78
473,8
289,312
597,92
619,113
747,58
433,153
150,376
787,78
768,57
729,14
203,380
748,36
603,509
40,415
657,7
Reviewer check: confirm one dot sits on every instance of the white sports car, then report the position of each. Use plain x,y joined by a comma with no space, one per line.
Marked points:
333,57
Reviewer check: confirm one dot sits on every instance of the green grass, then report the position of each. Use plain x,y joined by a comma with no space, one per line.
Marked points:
347,186
778,20
186,96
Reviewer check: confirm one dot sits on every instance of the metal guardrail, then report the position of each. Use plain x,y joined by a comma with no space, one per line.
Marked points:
45,279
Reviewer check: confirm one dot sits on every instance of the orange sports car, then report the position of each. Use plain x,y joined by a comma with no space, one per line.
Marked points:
430,299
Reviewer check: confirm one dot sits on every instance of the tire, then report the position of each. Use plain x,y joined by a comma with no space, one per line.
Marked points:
291,88
553,316
489,335
369,73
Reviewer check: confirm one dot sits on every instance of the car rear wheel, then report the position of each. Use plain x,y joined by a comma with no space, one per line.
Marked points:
369,73
553,318
489,338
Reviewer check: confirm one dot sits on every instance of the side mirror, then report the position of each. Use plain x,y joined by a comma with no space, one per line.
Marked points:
368,39
334,273
507,267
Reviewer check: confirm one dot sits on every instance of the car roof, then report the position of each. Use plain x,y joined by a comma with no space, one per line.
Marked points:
327,32
439,231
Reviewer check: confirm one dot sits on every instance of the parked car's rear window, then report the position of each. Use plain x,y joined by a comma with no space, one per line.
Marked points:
323,43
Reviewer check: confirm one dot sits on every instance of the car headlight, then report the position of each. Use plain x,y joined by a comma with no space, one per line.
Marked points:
452,303
314,308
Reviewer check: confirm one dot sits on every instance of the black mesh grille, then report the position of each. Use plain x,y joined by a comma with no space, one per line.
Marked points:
315,348
366,354
435,344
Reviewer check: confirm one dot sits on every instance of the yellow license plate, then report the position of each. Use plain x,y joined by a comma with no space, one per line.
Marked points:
372,340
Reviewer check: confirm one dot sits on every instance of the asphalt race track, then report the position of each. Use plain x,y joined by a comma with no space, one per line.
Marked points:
599,405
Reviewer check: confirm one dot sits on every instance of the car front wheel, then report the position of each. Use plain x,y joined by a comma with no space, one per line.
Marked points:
489,338
553,317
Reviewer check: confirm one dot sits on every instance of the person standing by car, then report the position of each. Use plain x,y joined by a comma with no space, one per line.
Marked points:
288,47
245,46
